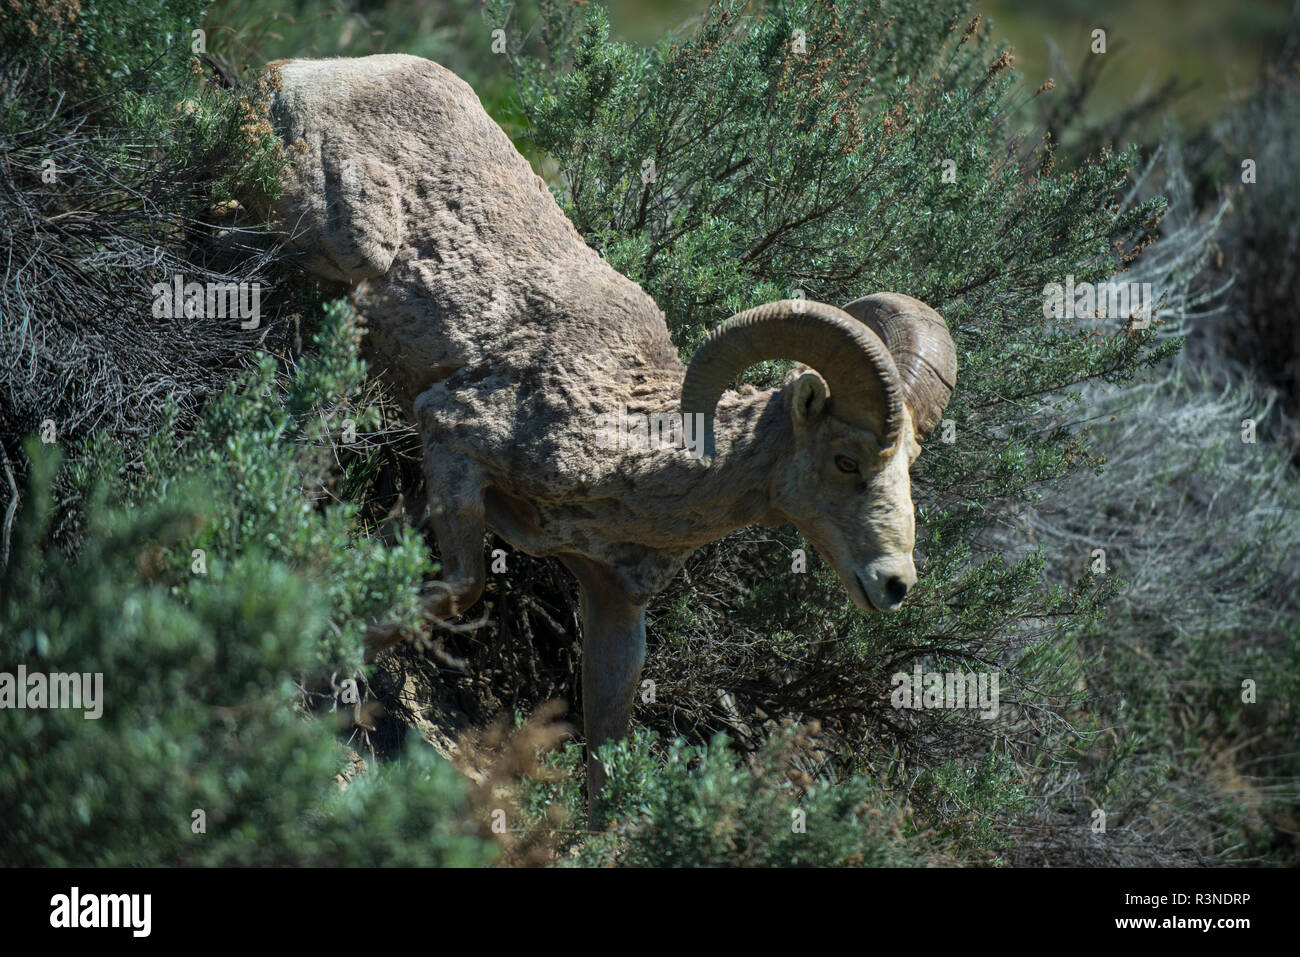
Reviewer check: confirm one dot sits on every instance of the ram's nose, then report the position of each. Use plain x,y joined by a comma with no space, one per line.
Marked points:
896,588
887,582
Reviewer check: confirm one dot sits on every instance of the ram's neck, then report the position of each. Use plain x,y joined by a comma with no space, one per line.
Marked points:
690,504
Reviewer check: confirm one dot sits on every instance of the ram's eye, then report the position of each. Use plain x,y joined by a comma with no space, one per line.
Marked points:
845,464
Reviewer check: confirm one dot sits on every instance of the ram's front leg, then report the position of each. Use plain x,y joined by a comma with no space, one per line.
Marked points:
613,650
456,487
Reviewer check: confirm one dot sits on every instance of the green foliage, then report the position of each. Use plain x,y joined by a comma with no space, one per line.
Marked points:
245,34
776,170
134,65
201,667
115,156
264,451
678,805
99,46
976,800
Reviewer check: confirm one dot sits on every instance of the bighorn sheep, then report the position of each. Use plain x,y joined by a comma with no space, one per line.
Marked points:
507,338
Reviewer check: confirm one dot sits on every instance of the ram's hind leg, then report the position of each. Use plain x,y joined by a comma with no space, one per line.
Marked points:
456,487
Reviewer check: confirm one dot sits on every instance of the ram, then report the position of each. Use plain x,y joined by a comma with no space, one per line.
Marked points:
512,345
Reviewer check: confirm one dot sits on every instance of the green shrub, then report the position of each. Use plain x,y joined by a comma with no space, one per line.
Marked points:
265,451
115,159
203,656
671,804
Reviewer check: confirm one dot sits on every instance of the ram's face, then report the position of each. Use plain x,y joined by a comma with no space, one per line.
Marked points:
878,372
850,499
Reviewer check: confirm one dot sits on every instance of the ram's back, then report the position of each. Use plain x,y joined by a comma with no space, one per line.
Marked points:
398,178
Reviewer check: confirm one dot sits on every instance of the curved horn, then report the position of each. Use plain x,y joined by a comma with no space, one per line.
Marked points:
855,363
917,338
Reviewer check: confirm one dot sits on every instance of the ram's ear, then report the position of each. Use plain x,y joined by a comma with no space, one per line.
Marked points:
912,446
808,395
